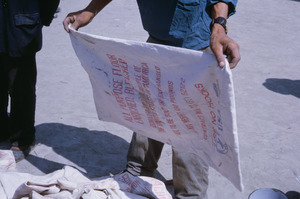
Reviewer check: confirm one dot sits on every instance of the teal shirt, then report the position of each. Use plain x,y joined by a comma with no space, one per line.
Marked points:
181,23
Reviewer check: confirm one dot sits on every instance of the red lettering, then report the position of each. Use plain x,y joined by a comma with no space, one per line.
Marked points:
205,93
198,111
183,117
129,90
176,107
116,72
190,126
127,117
199,86
117,84
177,132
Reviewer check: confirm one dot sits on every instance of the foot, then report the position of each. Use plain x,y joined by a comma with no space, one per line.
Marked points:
21,152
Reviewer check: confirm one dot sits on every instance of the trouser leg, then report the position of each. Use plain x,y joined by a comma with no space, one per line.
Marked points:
190,176
190,173
23,99
143,155
4,133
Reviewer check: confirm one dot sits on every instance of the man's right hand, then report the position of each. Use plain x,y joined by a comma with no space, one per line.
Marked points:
78,19
83,17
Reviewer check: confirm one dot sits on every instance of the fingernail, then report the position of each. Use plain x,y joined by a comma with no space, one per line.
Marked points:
222,64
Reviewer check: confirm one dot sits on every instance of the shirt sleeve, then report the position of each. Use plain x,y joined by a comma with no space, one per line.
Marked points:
231,5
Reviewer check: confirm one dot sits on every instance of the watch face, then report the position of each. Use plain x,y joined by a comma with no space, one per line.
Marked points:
220,20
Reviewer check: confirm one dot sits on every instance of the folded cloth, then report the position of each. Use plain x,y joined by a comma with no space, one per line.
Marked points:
69,183
7,160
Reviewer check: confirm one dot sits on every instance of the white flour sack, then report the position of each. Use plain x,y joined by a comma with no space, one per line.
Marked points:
177,96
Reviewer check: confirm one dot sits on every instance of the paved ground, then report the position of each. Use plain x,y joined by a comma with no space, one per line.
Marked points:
267,87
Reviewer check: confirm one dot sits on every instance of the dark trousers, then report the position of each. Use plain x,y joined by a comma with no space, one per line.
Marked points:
17,85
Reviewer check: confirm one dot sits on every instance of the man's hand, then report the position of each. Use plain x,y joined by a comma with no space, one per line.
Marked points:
221,44
83,17
78,19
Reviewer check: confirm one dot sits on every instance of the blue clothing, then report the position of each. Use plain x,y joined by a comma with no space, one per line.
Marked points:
181,23
20,27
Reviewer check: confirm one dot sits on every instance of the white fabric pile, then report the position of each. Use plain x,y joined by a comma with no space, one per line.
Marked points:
69,183
7,160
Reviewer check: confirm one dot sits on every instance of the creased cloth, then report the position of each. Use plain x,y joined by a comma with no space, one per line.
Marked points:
177,96
7,160
69,183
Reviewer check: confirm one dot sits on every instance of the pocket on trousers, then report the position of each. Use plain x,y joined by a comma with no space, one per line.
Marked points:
26,33
27,19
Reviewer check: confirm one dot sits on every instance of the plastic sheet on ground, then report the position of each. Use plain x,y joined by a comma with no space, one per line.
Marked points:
177,96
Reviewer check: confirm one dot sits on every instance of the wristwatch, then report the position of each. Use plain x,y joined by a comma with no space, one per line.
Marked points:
219,20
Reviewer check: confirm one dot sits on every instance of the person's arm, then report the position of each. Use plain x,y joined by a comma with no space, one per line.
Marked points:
220,43
83,17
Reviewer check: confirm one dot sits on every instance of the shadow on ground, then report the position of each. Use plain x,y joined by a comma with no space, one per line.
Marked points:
95,153
283,86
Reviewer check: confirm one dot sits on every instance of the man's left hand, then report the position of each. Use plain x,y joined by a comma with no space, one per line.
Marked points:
221,44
